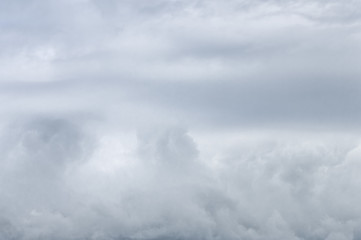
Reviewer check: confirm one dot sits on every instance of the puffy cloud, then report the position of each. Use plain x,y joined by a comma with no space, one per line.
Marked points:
57,185
179,120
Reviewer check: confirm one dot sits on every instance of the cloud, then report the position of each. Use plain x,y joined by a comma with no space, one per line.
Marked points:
179,120
270,187
235,63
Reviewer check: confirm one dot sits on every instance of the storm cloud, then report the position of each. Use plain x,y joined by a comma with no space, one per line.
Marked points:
178,119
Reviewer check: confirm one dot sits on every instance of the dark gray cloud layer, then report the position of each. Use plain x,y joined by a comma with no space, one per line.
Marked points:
179,120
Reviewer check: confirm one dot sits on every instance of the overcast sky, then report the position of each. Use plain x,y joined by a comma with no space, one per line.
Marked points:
180,120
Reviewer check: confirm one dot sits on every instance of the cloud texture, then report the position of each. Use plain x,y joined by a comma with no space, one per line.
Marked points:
177,119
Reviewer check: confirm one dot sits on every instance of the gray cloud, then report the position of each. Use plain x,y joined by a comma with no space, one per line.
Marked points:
179,120
165,188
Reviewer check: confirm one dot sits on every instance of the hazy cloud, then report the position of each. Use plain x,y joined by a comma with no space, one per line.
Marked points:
179,120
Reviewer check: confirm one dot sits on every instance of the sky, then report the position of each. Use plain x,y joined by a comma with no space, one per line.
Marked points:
180,120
